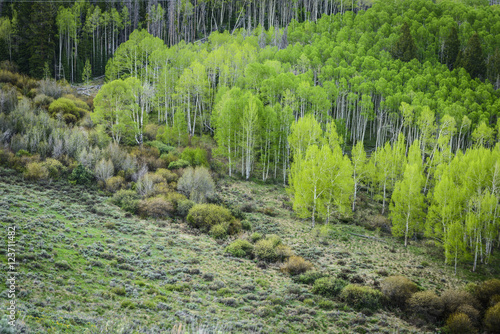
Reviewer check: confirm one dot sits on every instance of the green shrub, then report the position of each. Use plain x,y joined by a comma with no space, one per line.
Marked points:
486,290
128,304
492,319
178,164
310,277
326,305
81,175
70,109
328,286
256,236
157,207
361,297
36,171
265,250
118,290
246,225
398,289
240,248
426,305
459,323
296,265
283,252
149,304
163,148
454,298
218,231
167,175
195,156
275,239
63,265
184,206
115,183
54,167
473,314
128,200
204,216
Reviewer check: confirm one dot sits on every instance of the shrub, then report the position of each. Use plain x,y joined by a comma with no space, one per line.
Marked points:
296,265
361,297
5,327
473,314
174,198
246,225
454,298
310,277
326,305
167,175
426,305
328,286
36,171
283,252
240,248
128,200
197,184
275,239
157,207
70,109
459,323
119,290
115,183
218,231
178,164
184,206
398,289
486,290
256,236
63,265
128,304
54,167
195,156
265,250
81,175
492,319
204,216
163,148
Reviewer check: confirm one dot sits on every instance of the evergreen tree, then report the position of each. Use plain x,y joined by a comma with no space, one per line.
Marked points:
472,59
405,49
451,48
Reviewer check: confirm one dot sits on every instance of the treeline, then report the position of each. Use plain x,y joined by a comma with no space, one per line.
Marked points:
452,198
55,39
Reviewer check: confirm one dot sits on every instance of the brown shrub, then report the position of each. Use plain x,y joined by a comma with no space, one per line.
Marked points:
157,207
486,290
492,319
296,265
459,323
454,298
426,305
398,289
473,314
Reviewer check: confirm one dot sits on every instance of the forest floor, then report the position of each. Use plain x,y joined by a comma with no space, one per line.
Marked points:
85,266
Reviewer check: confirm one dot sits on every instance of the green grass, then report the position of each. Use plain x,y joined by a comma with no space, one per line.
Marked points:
158,276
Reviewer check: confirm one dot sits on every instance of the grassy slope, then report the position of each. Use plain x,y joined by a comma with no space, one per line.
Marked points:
170,274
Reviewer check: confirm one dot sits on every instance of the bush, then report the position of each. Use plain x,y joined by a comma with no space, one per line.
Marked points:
256,236
36,171
275,239
197,184
426,305
128,200
81,175
283,252
265,250
163,148
328,286
205,216
167,175
178,164
70,109
454,298
310,277
218,231
361,297
473,314
5,327
492,319
55,168
128,304
157,207
184,206
296,265
246,225
398,289
240,248
195,156
486,290
459,323
115,183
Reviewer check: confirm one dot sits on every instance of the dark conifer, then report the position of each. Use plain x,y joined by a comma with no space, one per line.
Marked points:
405,49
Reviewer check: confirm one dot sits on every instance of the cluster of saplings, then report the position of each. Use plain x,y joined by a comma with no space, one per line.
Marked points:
467,310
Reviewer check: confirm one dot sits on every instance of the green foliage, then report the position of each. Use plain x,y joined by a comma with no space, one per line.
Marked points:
265,250
398,289
81,175
426,305
218,231
328,286
36,171
361,297
296,265
163,148
459,323
309,277
492,319
195,156
205,216
128,200
405,48
240,248
184,206
5,327
256,236
178,164
157,207
70,110
486,290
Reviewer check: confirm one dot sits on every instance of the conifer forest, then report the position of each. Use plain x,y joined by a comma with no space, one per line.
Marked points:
250,166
